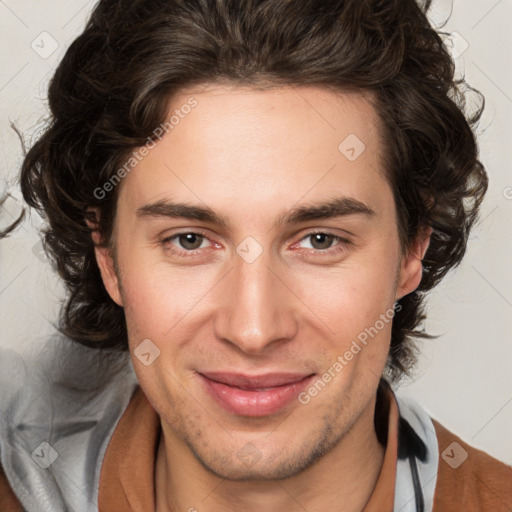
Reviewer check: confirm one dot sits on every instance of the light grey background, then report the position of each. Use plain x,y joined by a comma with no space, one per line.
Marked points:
464,378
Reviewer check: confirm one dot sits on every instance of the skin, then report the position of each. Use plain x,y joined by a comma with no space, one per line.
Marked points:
252,156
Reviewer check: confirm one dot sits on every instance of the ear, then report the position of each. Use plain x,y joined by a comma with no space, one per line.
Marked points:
104,259
411,267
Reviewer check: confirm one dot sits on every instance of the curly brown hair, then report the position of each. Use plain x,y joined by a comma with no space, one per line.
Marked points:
114,84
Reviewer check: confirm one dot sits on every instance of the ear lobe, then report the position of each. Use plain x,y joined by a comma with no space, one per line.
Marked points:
104,260
411,268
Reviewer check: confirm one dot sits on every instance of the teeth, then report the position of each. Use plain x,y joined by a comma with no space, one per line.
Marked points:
256,389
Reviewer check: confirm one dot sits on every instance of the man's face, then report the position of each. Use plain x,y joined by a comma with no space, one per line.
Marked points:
261,294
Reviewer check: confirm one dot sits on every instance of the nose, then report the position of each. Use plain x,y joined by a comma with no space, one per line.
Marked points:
257,307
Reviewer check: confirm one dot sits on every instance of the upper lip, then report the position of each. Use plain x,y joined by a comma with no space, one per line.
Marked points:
245,381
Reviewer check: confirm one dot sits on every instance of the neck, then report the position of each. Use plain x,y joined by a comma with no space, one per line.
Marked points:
343,479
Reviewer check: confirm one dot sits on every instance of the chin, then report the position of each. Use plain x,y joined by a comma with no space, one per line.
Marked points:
270,463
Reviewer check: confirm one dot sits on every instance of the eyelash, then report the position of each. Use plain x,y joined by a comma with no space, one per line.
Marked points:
339,247
177,252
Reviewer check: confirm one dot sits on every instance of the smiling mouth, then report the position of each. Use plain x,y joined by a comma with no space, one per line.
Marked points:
257,395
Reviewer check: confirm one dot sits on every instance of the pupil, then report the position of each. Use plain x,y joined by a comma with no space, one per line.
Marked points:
190,241
322,239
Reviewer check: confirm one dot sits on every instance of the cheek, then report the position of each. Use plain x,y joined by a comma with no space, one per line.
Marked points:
355,294
355,302
159,299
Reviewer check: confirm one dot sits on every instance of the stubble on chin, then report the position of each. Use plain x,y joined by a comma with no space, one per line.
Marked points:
281,453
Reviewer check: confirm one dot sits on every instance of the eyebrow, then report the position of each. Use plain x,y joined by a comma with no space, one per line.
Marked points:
337,207
169,209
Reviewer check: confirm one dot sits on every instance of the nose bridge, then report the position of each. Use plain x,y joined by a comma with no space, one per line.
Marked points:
256,311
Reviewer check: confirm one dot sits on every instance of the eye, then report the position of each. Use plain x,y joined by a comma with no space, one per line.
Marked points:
186,242
320,241
190,241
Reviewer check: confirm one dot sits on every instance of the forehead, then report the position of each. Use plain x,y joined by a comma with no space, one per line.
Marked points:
257,147
275,120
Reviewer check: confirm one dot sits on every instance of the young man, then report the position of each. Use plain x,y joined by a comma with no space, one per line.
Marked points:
250,199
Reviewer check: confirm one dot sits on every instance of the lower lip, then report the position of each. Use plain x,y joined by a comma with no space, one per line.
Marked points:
254,403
